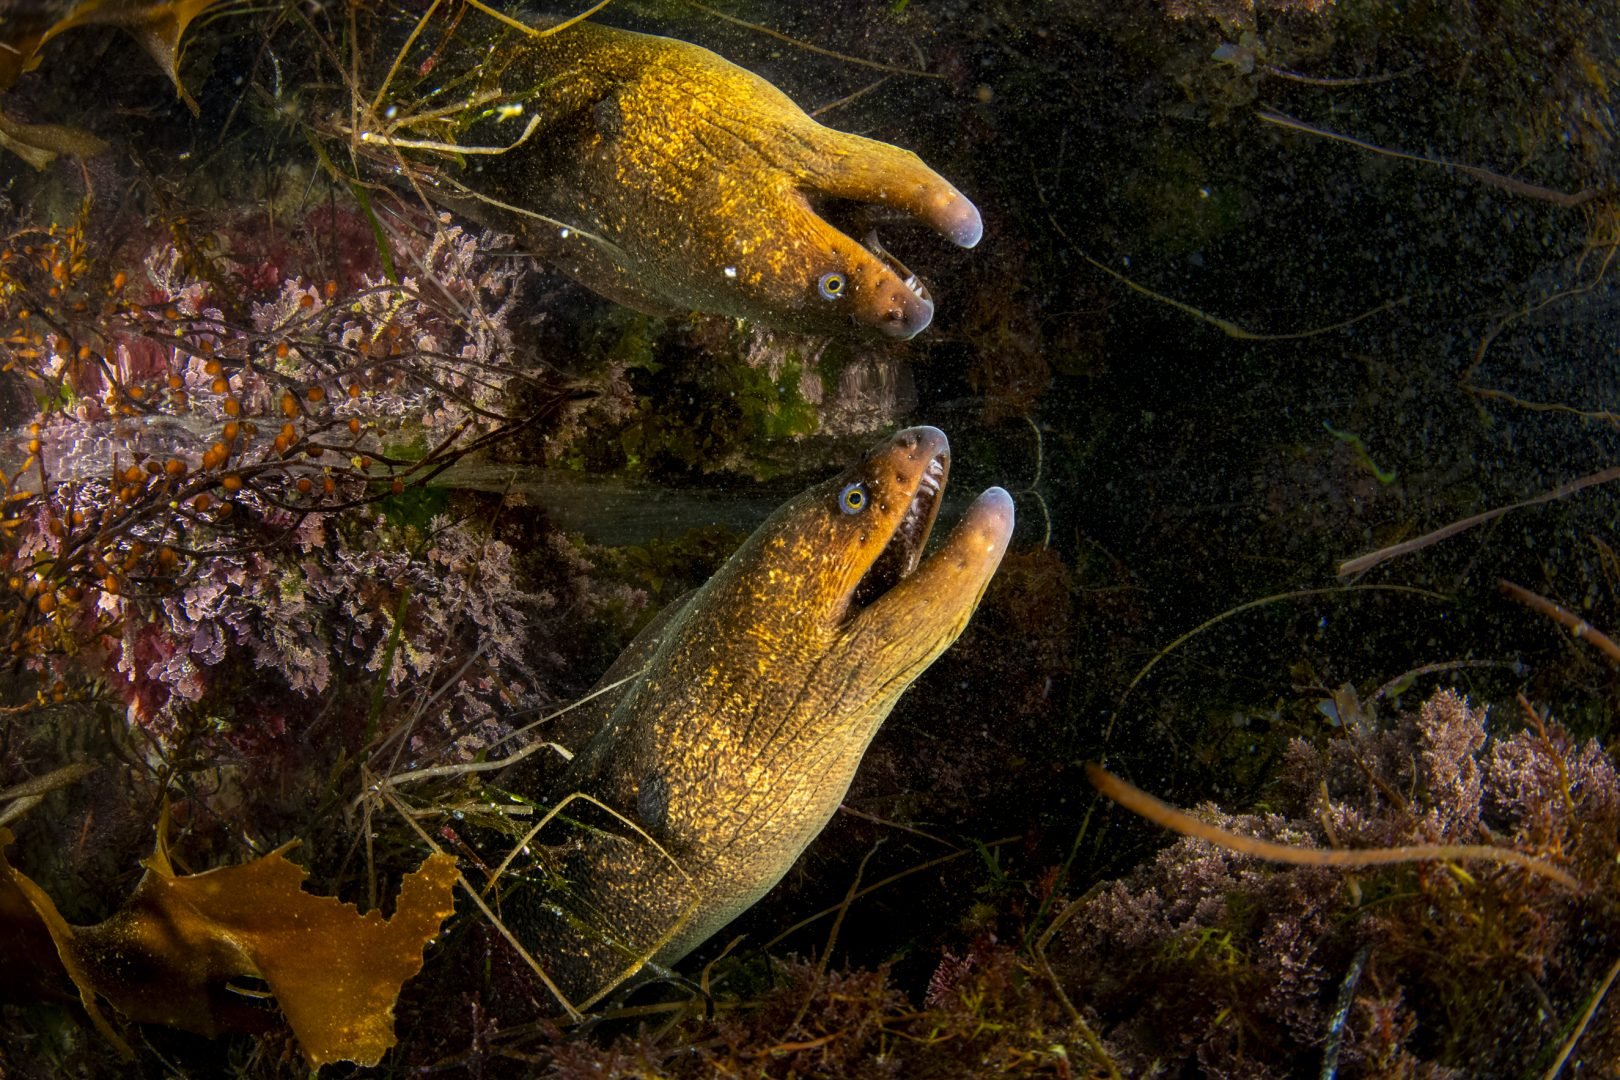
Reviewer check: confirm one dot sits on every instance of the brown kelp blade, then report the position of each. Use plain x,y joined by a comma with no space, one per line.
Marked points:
167,956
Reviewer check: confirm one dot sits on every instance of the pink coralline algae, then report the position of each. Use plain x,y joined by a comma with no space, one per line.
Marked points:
1209,959
205,519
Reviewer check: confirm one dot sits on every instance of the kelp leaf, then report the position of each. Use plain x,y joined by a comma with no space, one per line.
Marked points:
39,144
169,954
20,898
157,24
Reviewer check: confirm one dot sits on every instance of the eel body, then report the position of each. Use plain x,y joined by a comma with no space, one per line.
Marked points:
747,710
667,178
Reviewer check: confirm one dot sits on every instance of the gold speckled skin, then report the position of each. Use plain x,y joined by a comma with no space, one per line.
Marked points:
739,739
687,183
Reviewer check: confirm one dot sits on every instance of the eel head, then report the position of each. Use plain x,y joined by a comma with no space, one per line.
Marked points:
854,574
841,282
888,591
672,180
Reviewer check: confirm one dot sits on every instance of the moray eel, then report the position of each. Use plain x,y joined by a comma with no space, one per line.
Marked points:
671,180
748,708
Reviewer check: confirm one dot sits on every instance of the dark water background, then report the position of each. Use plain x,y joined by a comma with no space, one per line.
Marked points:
1328,349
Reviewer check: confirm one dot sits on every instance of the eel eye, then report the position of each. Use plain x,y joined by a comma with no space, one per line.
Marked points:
853,499
831,285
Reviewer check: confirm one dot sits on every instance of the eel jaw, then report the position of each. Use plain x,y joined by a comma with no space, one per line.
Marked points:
927,608
884,297
901,555
906,316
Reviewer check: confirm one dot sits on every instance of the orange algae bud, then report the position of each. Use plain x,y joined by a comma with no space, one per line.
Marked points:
354,426
212,367
315,394
202,502
354,390
219,385
174,467
132,475
289,405
306,301
282,350
328,485
304,485
232,430
119,280
233,407
47,603
231,482
398,486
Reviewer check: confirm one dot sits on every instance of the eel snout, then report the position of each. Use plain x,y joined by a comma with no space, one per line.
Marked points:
886,296
955,218
943,591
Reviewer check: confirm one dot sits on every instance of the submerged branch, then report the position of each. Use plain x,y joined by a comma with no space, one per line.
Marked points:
1586,1018
1512,185
1297,594
1363,563
1230,328
1140,802
1577,626
807,47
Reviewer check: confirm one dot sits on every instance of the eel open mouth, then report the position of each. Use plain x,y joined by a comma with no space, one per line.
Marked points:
910,280
925,600
903,552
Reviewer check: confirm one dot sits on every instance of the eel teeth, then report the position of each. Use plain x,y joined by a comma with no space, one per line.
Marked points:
928,485
912,281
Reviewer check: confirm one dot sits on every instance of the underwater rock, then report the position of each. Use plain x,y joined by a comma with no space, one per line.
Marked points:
743,714
855,391
664,177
